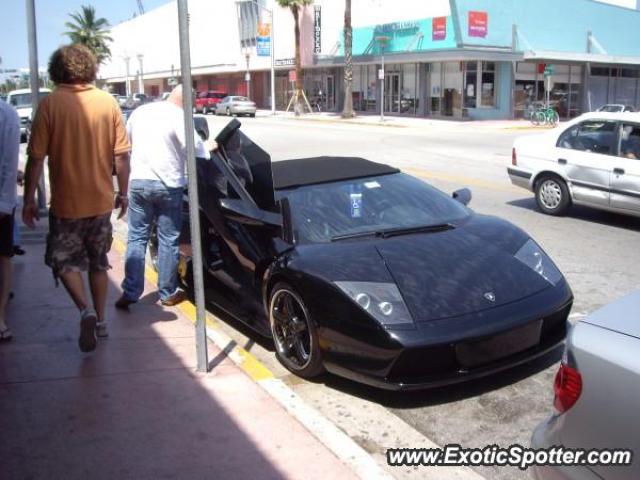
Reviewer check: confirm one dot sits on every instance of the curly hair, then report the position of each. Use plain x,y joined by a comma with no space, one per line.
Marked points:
73,64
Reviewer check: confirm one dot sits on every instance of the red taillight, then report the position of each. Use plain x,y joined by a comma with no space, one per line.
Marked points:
567,388
514,157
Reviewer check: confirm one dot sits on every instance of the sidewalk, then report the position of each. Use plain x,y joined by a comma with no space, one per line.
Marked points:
373,119
135,408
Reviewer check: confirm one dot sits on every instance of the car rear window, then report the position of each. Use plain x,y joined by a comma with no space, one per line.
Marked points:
217,95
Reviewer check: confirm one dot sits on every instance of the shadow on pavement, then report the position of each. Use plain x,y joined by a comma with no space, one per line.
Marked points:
135,407
586,214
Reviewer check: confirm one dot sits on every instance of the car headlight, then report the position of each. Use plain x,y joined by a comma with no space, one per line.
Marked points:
533,257
381,300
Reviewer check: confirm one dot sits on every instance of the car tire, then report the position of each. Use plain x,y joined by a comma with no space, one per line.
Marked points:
294,333
252,115
552,195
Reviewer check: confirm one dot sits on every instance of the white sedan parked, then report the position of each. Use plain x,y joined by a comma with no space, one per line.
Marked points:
234,105
593,160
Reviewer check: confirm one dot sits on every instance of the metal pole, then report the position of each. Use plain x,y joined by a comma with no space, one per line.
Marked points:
127,85
194,211
141,78
247,76
273,68
34,81
382,88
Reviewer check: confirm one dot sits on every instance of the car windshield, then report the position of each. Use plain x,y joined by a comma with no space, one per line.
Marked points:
326,212
611,108
24,99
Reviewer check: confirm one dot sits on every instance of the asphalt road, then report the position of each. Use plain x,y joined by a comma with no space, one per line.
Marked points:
597,252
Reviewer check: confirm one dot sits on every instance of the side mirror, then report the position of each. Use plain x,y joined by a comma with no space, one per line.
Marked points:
246,214
463,196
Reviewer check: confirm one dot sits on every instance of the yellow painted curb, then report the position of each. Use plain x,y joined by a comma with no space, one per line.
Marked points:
446,177
245,360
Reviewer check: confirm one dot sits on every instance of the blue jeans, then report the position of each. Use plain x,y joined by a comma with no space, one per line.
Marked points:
150,200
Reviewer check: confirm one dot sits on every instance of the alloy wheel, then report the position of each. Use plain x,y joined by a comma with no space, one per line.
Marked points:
290,328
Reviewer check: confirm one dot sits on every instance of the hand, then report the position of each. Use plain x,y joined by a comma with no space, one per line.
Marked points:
121,202
211,145
30,214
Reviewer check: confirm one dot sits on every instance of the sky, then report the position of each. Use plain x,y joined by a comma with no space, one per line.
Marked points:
51,16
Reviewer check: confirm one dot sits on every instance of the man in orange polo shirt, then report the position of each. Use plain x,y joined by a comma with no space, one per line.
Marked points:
80,129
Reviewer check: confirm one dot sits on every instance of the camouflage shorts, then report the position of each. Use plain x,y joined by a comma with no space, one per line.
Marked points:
78,244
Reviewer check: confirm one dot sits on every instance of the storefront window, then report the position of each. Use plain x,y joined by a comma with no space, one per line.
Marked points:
409,89
435,77
452,89
525,95
470,84
488,84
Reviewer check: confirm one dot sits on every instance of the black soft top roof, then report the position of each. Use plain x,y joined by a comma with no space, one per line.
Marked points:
312,171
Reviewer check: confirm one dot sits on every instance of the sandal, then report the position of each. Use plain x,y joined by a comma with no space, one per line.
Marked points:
5,335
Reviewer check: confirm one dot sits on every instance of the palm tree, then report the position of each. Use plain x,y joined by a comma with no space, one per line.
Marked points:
347,110
90,31
294,6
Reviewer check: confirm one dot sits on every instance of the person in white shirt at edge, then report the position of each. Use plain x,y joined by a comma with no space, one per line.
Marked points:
157,180
9,152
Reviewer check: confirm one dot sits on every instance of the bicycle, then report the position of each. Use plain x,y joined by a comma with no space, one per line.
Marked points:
545,116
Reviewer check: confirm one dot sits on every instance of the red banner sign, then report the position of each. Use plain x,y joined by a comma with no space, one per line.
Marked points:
439,28
478,24
292,75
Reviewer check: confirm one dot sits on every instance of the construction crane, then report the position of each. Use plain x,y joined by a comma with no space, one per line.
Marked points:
140,7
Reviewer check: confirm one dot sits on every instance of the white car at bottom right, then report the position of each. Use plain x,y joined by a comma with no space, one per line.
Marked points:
593,160
596,399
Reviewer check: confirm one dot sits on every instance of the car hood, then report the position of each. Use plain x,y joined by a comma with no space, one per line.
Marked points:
440,275
459,271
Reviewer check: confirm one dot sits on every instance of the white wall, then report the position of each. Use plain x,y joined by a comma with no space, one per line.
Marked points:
214,40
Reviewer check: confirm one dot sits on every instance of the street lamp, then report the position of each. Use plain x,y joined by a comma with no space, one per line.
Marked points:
247,75
382,40
140,79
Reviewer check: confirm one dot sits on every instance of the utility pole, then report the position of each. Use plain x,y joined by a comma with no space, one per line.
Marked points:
194,202
35,85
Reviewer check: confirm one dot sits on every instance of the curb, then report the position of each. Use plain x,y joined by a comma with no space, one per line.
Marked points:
334,439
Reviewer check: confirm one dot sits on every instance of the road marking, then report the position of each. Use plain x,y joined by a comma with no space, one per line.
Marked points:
447,177
334,439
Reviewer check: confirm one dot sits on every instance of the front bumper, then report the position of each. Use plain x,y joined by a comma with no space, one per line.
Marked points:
451,351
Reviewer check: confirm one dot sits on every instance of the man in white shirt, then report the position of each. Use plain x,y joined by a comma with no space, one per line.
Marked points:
9,152
157,180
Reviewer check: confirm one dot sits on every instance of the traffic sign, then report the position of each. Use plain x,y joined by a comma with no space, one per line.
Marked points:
548,70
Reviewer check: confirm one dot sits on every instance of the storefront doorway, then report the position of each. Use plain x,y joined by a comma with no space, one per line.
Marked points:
329,98
392,92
